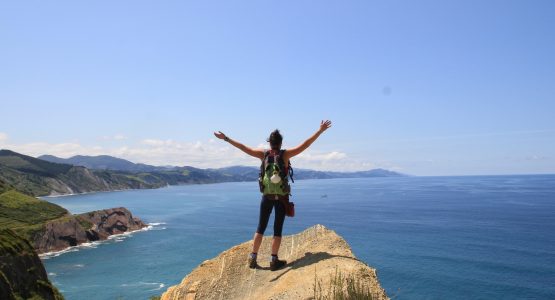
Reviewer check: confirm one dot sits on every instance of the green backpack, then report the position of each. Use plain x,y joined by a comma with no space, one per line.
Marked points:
273,174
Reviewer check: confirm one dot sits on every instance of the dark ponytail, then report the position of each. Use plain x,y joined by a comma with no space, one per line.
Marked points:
275,140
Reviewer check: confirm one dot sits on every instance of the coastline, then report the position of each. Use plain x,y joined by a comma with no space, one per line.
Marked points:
91,192
459,199
118,237
118,190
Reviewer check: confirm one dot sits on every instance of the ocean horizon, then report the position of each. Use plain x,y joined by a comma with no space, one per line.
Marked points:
431,237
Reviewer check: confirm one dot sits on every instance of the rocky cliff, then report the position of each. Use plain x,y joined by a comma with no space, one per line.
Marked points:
320,265
50,227
22,275
76,229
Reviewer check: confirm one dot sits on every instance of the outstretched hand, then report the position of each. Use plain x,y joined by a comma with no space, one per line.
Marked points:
219,135
324,125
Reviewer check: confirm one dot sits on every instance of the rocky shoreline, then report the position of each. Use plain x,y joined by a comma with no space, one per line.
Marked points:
73,230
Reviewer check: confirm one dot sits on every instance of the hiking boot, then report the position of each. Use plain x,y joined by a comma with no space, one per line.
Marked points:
252,262
277,264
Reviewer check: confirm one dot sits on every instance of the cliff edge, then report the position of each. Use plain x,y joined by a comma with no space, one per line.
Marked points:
22,275
319,261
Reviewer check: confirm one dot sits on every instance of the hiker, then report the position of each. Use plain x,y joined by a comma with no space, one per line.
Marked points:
275,189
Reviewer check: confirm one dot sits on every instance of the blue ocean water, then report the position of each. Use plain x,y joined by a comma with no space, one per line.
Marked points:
472,237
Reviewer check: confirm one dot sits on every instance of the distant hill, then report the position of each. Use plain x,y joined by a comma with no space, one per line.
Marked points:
234,173
251,173
306,174
103,162
31,165
38,177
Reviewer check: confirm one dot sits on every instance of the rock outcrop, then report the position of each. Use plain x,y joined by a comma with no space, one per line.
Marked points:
73,230
318,261
22,275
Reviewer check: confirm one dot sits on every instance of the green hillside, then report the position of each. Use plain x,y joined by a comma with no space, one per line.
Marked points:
3,186
25,214
28,164
30,184
37,177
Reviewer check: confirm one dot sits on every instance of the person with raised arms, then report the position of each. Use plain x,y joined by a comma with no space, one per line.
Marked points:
274,186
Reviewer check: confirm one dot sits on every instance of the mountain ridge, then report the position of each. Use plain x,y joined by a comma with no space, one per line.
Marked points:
38,177
106,162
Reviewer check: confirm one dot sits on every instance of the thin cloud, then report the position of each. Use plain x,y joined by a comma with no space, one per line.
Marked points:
464,136
117,137
201,154
322,157
536,157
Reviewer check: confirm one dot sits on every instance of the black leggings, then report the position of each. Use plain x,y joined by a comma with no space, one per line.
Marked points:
266,206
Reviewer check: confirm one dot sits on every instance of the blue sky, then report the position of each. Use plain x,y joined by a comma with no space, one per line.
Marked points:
420,87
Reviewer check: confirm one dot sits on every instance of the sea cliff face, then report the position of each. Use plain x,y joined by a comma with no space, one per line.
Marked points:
22,275
319,261
76,229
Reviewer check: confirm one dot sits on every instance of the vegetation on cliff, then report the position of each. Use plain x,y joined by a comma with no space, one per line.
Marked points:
22,275
27,215
50,227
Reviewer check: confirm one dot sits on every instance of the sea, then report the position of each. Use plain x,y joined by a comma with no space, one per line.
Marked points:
467,237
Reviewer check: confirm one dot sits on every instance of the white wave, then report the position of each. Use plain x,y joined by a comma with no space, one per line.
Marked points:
119,236
157,228
90,244
84,193
79,265
157,224
140,283
161,286
114,238
58,196
52,274
51,254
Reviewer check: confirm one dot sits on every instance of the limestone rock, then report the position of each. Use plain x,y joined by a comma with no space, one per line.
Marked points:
315,255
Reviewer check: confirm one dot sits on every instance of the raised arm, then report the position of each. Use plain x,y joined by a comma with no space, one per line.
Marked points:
250,151
324,125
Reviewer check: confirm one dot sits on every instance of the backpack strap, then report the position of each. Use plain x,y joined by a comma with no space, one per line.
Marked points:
282,166
290,172
264,163
262,171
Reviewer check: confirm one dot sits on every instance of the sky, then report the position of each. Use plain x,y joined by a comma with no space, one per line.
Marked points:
426,88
